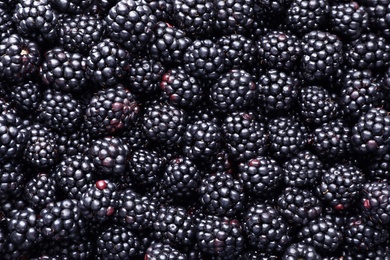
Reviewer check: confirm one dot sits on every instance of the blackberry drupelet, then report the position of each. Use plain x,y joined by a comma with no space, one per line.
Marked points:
160,251
222,195
260,176
265,229
25,96
12,179
375,202
131,23
40,190
301,251
71,6
303,170
145,166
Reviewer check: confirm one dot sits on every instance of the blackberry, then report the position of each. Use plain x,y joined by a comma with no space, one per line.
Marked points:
26,96
371,133
301,251
6,26
107,63
369,51
164,124
109,155
75,249
181,89
220,237
233,91
260,176
12,179
348,20
160,251
271,8
117,242
162,9
378,12
317,105
100,201
145,166
131,23
79,33
375,202
204,59
299,206
322,55
41,190
280,50
303,170
36,20
20,58
222,195
266,230
277,91
111,110
61,220
287,137
71,6
175,226
379,167
169,44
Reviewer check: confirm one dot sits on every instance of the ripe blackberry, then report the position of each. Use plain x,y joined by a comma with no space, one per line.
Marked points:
277,91
20,58
204,59
160,251
74,143
107,63
145,166
378,12
348,20
371,133
164,124
245,135
322,55
25,96
260,176
287,137
61,220
169,44
379,167
299,206
266,230
181,89
12,179
175,226
111,110
40,191
71,6
303,170
6,26
375,202
117,242
369,51
222,195
220,237
131,23
233,91
162,9
301,251
36,20
79,33
181,178
99,202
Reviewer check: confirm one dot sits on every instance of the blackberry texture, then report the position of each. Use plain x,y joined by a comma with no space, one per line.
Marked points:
71,6
12,179
41,190
6,26
26,96
145,166
301,251
378,12
158,250
375,202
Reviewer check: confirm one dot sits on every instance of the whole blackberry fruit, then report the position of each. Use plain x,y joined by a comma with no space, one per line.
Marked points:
164,124
303,170
61,220
145,166
371,133
160,251
12,179
36,20
322,55
222,195
233,91
20,58
111,110
369,51
280,50
169,44
375,202
304,16
40,191
277,91
348,20
265,229
71,6
175,226
79,33
131,23
260,176
204,59
245,135
300,251
107,63
299,206
26,96
220,237
99,202
287,137
117,242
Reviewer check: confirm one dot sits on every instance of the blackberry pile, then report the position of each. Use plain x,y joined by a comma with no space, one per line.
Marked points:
194,129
